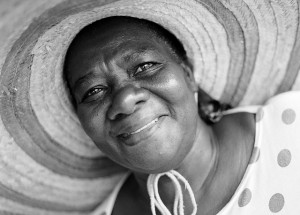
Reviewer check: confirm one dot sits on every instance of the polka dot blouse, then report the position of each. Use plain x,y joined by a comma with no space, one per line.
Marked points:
271,184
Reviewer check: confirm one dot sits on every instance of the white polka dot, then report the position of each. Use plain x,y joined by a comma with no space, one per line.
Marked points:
245,197
288,116
276,203
284,158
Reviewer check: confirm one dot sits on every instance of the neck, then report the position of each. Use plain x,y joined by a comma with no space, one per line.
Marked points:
198,168
219,157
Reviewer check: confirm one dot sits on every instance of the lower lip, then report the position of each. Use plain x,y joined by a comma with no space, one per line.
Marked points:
137,138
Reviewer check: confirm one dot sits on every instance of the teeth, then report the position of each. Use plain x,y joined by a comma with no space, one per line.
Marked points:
124,135
145,126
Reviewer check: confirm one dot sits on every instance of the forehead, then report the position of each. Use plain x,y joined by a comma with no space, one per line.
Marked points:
112,34
115,40
107,42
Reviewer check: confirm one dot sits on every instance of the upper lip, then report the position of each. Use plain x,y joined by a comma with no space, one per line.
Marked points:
132,124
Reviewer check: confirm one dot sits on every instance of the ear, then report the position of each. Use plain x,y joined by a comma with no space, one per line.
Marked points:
189,75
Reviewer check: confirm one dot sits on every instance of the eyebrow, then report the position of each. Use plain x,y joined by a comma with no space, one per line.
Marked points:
132,54
79,82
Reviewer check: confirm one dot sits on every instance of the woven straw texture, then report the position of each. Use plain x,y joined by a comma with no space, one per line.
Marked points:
242,51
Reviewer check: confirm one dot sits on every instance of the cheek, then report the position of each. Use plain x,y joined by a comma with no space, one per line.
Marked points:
174,90
171,85
93,122
183,107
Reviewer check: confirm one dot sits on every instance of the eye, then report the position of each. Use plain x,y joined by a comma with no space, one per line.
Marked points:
93,94
145,67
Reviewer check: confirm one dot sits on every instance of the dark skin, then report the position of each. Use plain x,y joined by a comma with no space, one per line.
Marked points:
135,99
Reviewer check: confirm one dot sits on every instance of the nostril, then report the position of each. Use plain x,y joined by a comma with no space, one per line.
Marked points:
119,116
140,102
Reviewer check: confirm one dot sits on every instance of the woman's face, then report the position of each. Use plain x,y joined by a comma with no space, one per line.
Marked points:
133,98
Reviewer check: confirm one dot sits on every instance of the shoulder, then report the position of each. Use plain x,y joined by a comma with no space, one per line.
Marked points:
278,126
129,200
282,110
287,98
106,207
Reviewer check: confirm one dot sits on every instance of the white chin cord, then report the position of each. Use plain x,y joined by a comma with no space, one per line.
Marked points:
155,200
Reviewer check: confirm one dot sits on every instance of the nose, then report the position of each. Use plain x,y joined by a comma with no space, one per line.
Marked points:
126,101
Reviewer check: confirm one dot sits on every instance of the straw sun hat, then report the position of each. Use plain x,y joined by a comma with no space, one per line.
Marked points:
242,52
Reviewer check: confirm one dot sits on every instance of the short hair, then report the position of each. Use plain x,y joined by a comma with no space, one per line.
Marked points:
158,31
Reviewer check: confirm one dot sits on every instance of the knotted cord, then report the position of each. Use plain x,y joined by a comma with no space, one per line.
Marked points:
155,200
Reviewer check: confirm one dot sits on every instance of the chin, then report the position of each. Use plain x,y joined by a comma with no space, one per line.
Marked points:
160,158
157,149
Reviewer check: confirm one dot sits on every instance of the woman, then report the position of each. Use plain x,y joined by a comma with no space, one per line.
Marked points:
138,103
134,93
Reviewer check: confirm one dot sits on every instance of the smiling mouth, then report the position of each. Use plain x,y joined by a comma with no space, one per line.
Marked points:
126,135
